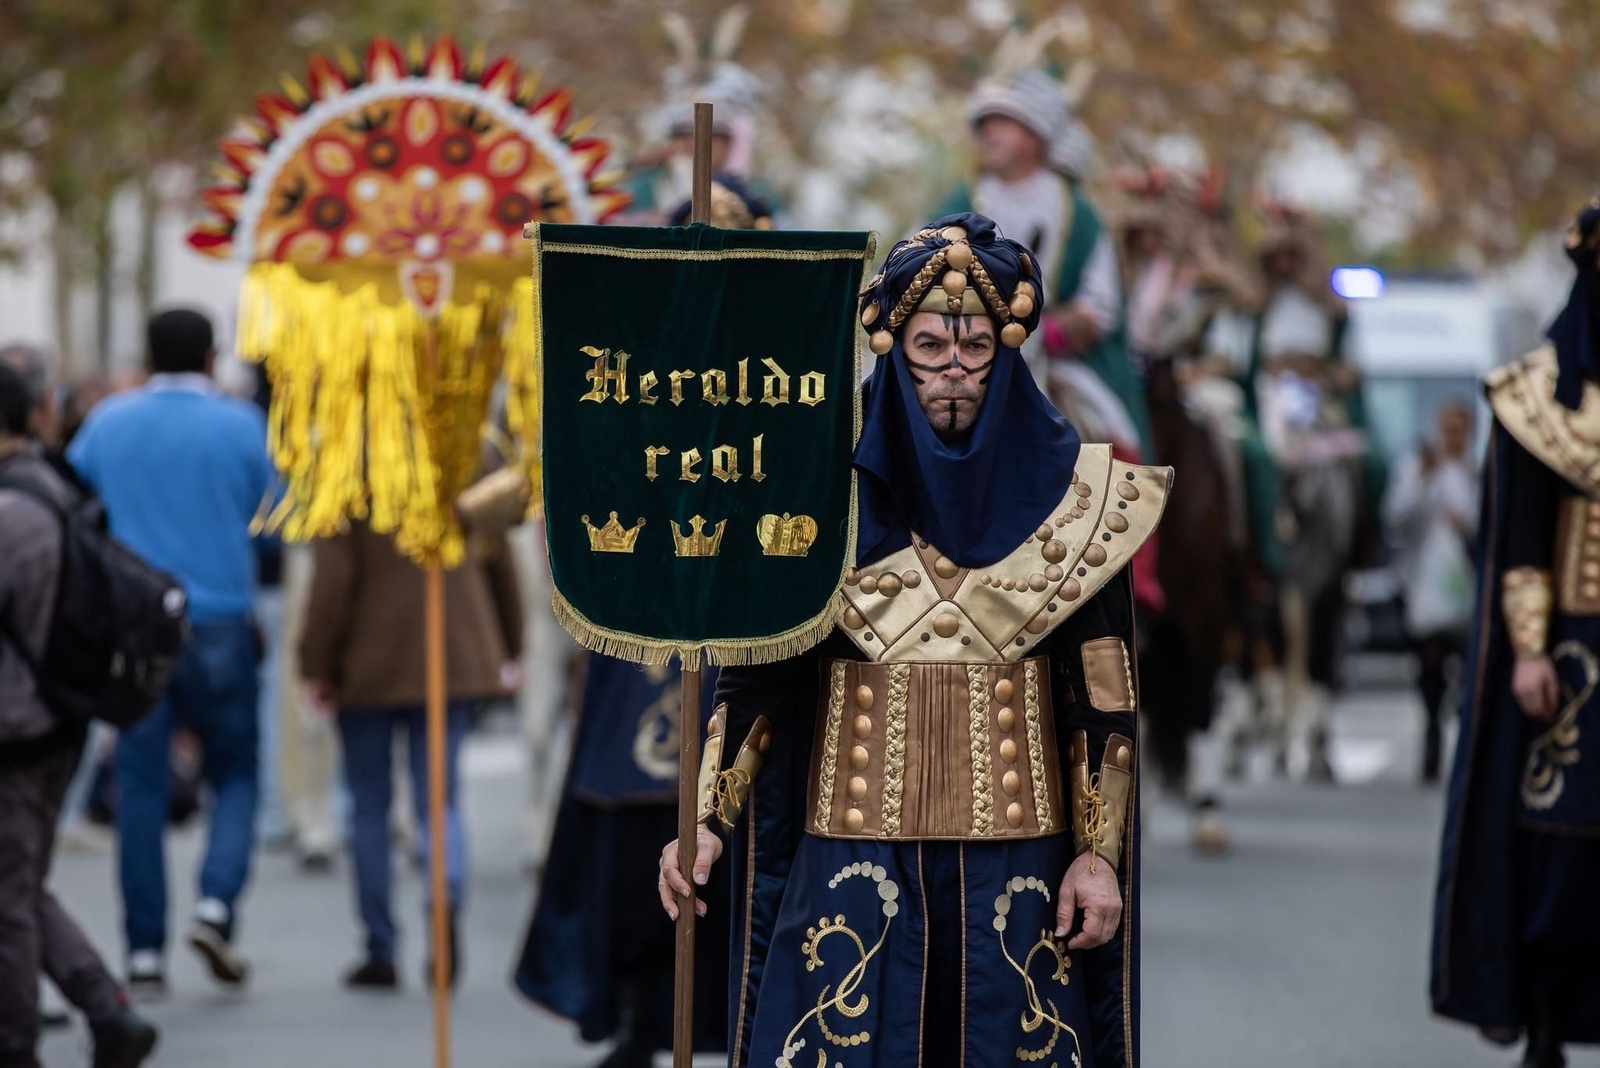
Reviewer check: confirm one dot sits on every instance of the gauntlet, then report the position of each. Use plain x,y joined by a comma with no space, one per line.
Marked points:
723,791
1526,598
1100,801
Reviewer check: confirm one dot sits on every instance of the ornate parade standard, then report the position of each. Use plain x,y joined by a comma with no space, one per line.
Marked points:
379,205
697,436
696,439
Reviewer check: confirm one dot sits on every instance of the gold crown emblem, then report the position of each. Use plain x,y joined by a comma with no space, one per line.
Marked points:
785,536
612,538
696,543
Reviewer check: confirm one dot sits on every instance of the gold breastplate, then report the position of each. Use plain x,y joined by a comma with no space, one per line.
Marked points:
918,605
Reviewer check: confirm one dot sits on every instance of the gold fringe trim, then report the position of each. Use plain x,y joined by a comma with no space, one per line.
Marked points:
811,255
722,652
377,411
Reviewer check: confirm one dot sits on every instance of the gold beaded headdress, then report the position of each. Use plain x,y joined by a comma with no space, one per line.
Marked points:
960,265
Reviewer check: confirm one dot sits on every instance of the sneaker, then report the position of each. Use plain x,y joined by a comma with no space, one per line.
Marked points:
211,936
373,975
123,1040
147,977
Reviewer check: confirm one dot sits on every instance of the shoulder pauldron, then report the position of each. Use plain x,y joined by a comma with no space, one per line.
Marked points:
1522,395
917,604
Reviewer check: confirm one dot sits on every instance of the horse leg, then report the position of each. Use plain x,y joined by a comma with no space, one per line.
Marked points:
1287,713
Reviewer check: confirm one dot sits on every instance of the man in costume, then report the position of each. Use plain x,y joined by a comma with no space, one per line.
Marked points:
596,952
1515,941
1035,156
948,780
1314,483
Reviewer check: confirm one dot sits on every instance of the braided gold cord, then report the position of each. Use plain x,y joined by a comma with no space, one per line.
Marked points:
894,748
915,291
1041,797
830,747
1095,820
982,772
990,291
728,791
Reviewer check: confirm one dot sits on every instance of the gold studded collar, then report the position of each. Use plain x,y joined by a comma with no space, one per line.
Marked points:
1522,395
917,604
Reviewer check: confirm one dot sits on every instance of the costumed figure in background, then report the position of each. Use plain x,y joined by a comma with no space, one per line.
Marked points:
1516,944
1306,395
705,72
596,952
1175,237
1035,156
949,780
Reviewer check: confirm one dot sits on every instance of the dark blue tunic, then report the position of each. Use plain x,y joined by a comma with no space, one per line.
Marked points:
599,950
1519,874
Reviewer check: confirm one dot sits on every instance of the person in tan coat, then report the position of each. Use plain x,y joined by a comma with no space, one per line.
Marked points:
362,657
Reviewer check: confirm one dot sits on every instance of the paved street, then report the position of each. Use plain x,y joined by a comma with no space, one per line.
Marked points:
1306,947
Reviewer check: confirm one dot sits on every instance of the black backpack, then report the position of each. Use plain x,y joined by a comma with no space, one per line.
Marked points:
118,623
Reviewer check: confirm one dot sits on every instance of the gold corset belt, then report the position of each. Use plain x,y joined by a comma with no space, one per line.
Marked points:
935,750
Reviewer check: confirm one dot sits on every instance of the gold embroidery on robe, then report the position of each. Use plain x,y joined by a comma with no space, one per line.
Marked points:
1543,779
839,1000
1040,1010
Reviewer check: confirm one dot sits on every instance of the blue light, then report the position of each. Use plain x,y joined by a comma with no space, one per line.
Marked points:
1358,283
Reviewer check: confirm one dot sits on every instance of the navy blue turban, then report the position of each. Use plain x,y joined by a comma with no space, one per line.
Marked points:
979,497
1574,331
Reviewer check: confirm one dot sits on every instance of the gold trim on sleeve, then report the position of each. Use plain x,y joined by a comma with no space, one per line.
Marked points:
711,762
730,787
1100,801
1526,599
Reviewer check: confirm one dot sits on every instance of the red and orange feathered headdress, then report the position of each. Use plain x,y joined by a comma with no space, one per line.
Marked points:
380,205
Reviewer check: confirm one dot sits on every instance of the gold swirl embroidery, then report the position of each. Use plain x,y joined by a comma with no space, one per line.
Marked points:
982,772
1557,748
1040,1011
894,748
830,747
839,1000
1041,796
655,742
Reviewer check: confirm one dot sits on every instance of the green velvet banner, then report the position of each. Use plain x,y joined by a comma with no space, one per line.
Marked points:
699,410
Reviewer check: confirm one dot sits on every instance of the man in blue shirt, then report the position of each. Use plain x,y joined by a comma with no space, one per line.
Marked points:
182,470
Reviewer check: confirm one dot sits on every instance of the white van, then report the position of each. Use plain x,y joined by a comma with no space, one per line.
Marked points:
1420,344
1424,342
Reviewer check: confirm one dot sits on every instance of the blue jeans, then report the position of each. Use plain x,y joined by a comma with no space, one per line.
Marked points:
213,694
367,741
272,821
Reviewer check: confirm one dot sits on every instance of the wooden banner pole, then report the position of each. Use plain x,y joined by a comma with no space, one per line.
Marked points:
438,891
434,714
689,712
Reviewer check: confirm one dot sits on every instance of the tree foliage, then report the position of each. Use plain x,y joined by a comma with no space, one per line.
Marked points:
1477,117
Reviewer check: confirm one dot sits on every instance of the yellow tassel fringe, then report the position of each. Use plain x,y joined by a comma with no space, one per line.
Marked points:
377,411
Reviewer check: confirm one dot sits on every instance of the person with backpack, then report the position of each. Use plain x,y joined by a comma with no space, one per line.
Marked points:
182,471
39,751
